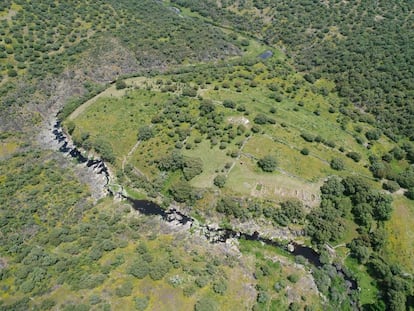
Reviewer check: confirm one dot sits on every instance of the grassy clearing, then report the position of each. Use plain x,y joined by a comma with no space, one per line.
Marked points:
117,119
289,158
400,242
213,159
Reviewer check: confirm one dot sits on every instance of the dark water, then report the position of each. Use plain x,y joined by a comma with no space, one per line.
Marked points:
310,254
216,235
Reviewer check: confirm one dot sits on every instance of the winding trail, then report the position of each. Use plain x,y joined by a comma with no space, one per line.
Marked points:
238,156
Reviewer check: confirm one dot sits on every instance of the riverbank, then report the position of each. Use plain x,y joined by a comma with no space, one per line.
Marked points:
213,233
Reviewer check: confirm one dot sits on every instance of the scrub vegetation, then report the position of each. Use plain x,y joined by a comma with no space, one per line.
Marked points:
291,121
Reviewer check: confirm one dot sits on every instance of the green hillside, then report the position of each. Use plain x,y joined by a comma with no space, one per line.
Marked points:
275,136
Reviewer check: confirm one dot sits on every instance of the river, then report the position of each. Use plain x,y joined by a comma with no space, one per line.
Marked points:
212,234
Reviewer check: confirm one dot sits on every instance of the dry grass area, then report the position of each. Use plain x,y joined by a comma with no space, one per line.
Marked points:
400,245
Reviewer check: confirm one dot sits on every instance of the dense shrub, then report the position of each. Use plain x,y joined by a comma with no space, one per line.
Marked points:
354,156
181,191
391,186
124,290
141,303
410,193
145,133
267,163
120,84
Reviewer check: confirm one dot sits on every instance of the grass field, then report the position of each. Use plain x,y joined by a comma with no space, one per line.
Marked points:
400,229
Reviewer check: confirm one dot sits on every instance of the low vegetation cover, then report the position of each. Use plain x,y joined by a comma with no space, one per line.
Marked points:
355,45
193,105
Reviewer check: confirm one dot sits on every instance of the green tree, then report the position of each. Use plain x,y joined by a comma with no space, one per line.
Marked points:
391,186
159,269
337,164
267,163
354,156
406,178
382,208
333,187
220,287
141,303
70,126
293,210
105,150
192,167
410,193
373,134
325,224
260,119
354,185
396,300
378,169
139,269
124,290
359,250
363,214
189,91
12,73
229,104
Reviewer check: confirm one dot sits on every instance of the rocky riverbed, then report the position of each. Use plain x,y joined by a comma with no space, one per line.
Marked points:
90,171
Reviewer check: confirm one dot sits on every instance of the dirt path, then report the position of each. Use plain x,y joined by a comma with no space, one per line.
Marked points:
126,158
